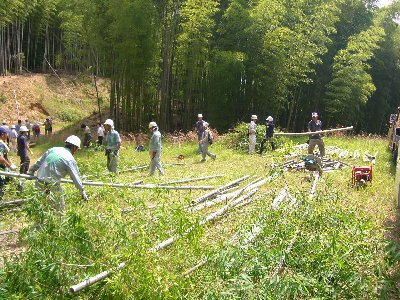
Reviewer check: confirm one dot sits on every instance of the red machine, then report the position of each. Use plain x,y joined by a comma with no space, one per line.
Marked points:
361,174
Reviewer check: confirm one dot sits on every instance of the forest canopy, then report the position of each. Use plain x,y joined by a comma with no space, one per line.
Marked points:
168,60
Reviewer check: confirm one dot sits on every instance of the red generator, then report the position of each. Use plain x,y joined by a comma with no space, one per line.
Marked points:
361,174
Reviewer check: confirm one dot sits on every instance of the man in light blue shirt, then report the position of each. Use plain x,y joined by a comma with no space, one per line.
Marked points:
56,163
113,142
155,150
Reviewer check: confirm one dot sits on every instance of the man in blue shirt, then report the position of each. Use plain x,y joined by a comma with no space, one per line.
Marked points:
22,150
5,163
315,139
269,134
113,142
54,164
199,126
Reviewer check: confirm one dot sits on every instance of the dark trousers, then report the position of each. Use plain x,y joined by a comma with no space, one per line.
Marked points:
100,140
271,140
24,166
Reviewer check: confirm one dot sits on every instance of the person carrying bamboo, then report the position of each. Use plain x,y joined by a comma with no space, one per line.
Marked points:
55,164
5,163
113,142
155,149
23,148
315,139
269,134
252,134
206,141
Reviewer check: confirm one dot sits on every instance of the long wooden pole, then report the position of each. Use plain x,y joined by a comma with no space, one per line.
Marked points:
312,133
12,203
190,179
117,185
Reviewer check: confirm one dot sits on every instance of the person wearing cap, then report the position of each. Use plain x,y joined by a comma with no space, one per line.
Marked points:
28,125
252,134
315,139
155,149
23,149
36,129
100,134
13,135
48,126
5,163
55,164
205,143
269,134
87,138
5,126
113,141
199,127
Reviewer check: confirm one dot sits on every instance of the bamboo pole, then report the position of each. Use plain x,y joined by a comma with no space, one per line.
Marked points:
190,179
194,268
281,264
12,203
9,232
218,190
314,186
88,282
312,133
117,185
281,196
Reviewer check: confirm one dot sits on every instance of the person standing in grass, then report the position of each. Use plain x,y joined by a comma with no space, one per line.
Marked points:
155,149
269,134
87,138
55,164
28,125
206,141
100,134
199,127
113,141
13,135
19,124
252,134
315,139
23,148
48,126
5,163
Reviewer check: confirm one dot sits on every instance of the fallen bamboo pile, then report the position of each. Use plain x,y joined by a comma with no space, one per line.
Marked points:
12,203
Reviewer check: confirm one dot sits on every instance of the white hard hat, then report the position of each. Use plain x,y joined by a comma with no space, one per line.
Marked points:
270,119
4,122
253,117
23,129
12,126
200,115
109,122
73,140
152,124
314,114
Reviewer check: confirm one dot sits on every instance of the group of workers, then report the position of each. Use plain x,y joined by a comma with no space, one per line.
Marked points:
313,126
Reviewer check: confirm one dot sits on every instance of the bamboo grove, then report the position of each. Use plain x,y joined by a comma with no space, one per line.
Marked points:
167,60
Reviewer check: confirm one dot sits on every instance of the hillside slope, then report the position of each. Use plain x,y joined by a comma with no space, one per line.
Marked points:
67,98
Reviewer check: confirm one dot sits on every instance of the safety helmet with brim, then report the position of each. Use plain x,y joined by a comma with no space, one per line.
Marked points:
3,130
109,122
23,129
200,115
73,140
253,117
270,119
152,124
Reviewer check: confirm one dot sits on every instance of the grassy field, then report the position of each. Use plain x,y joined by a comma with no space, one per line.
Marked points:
341,244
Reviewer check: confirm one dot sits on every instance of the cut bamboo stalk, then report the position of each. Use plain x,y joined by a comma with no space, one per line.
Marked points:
117,185
209,218
9,231
194,268
281,196
12,203
218,190
281,264
88,282
314,186
190,179
312,133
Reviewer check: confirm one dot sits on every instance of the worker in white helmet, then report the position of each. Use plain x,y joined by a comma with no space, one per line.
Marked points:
113,144
155,149
252,134
23,149
199,127
269,134
206,141
315,140
54,164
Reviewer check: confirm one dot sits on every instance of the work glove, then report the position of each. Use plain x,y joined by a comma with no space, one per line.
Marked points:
84,196
116,153
13,167
153,154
